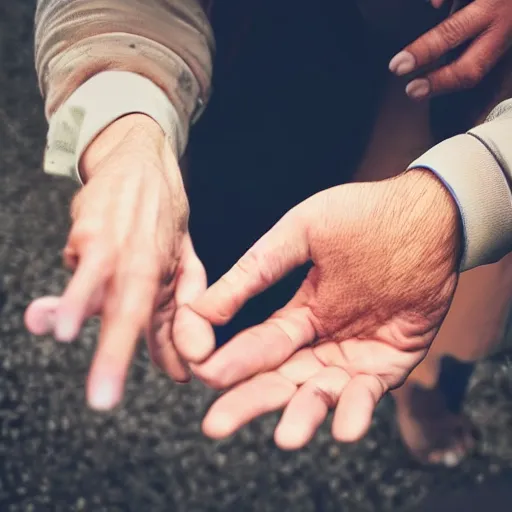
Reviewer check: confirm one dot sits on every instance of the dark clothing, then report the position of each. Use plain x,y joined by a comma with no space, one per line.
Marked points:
263,145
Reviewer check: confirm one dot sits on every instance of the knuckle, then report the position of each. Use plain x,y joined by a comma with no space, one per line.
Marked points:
224,311
460,75
469,76
253,264
451,30
248,262
428,48
83,244
145,268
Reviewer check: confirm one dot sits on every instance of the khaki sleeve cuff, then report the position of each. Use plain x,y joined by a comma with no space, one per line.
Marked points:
96,104
476,181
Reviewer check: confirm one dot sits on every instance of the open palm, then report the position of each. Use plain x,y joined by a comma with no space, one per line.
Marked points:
350,375
384,272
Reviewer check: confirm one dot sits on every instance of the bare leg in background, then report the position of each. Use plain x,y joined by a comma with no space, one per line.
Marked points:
476,321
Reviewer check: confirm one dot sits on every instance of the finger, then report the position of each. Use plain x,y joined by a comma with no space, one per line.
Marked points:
191,275
128,308
260,395
434,44
164,355
466,72
83,293
40,315
437,3
193,335
279,251
309,407
258,349
354,412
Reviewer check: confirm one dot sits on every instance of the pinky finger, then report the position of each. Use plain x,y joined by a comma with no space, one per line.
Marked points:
354,412
193,335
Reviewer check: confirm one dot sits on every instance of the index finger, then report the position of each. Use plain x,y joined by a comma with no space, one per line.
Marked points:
128,308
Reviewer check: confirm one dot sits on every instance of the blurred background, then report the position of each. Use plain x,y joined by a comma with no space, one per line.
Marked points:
259,150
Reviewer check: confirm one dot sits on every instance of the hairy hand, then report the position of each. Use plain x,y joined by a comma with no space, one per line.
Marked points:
384,272
486,24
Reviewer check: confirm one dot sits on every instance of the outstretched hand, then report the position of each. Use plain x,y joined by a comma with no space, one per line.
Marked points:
486,24
384,272
131,255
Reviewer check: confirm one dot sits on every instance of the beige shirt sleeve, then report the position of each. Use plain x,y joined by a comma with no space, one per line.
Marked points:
477,169
98,60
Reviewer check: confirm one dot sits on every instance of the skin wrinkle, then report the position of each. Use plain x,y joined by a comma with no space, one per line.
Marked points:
170,42
99,21
353,325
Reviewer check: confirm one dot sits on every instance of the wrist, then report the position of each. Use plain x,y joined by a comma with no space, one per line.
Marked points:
438,207
139,130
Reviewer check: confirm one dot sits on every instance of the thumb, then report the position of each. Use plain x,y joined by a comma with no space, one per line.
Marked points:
279,251
193,335
437,42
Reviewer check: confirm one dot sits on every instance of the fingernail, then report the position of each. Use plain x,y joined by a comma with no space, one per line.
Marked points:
402,63
418,89
104,396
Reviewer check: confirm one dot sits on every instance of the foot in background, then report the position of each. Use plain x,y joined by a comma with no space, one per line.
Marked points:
431,421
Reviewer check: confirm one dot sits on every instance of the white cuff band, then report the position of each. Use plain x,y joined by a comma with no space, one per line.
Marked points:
96,104
478,185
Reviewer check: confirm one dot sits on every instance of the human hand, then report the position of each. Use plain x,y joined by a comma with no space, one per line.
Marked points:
384,272
131,254
488,23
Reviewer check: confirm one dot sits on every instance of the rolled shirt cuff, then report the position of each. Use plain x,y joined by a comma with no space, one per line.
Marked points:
96,104
478,184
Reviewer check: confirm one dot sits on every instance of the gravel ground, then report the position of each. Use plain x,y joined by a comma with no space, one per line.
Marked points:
149,454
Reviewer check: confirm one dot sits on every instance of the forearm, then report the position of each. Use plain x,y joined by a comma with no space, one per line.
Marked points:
477,168
98,60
